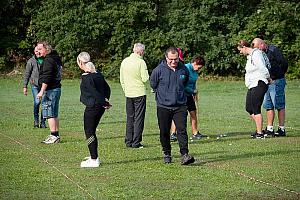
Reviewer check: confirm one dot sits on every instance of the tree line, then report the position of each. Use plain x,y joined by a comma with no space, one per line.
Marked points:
107,29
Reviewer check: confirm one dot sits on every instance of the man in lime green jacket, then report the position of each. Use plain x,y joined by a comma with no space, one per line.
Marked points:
133,76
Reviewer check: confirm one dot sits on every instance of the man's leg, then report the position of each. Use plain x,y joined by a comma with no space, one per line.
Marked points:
139,118
270,117
36,105
180,120
164,117
268,104
129,121
281,117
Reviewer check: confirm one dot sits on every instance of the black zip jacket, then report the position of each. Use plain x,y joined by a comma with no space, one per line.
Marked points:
94,89
50,71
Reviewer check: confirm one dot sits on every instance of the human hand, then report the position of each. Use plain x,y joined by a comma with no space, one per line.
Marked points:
25,92
107,106
40,94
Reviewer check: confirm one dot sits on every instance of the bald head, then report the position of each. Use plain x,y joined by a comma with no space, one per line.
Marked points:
259,43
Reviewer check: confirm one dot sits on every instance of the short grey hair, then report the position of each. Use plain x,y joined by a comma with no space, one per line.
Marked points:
138,47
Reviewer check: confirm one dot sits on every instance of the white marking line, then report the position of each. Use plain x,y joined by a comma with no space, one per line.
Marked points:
266,183
53,166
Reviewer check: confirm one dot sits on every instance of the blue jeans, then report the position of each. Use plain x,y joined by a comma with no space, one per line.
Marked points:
50,103
36,104
275,96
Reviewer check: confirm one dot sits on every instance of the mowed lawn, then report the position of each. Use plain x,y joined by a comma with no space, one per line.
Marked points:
231,167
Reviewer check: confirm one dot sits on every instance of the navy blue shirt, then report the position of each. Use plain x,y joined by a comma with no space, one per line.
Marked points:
169,84
279,63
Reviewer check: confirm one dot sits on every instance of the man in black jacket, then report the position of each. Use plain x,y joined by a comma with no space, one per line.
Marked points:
50,89
168,81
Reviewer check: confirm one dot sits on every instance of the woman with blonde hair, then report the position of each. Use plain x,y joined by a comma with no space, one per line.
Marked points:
95,93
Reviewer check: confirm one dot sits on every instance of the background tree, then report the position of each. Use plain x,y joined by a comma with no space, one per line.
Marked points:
107,29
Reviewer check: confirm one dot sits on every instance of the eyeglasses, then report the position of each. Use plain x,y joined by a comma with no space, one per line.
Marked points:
175,59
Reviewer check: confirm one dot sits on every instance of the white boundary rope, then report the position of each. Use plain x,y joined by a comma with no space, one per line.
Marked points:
266,183
53,166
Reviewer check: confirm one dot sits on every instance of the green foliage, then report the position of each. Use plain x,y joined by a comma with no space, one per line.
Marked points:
108,29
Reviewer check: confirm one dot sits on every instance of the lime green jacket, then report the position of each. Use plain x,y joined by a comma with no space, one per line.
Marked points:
133,76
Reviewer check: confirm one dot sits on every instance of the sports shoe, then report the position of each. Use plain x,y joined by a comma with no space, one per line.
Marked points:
280,133
198,135
268,133
258,136
173,137
89,162
139,146
167,159
35,124
43,125
51,139
186,159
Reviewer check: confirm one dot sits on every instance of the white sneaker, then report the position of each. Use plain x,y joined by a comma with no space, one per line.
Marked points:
90,162
51,139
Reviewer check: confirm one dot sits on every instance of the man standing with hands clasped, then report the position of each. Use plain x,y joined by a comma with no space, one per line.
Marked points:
133,76
168,81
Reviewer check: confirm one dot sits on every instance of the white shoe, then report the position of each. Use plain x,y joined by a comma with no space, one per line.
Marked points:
90,162
51,139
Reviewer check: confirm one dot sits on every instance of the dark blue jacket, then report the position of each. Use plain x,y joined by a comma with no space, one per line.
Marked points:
279,63
169,85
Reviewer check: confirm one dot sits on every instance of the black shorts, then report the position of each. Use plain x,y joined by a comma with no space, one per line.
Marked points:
255,97
190,103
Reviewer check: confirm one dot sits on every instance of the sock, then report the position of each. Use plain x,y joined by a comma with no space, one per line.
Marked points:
270,128
55,133
281,127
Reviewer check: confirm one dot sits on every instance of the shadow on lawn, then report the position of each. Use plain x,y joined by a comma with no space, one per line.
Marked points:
228,157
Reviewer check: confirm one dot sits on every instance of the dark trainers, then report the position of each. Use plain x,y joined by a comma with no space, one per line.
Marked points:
173,137
43,126
268,133
139,146
198,135
167,159
280,133
258,136
35,124
186,159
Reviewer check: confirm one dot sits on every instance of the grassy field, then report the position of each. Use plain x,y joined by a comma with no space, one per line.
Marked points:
232,167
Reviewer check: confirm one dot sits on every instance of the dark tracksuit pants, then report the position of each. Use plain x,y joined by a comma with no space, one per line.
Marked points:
165,117
92,116
135,111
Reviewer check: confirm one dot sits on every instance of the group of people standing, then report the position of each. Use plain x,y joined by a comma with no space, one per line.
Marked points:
265,79
174,85
43,71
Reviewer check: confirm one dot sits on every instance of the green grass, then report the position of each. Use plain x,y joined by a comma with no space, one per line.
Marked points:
233,167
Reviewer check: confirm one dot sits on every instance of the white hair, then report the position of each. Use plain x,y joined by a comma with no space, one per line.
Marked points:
90,66
84,57
138,48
